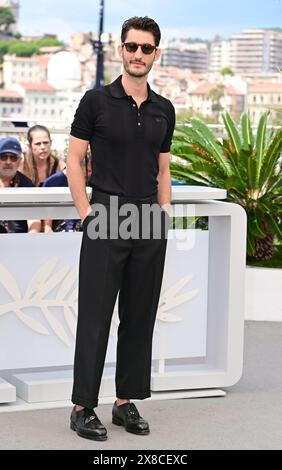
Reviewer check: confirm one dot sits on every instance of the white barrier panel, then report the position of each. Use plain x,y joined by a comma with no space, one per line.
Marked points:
38,308
198,341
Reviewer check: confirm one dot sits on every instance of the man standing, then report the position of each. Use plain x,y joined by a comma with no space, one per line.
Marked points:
129,128
10,177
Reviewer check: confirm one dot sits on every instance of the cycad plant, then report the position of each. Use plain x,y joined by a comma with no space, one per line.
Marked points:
248,166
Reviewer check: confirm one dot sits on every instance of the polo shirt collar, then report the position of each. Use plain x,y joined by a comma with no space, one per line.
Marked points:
117,91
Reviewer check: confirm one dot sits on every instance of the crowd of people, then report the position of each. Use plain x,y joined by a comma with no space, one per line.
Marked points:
37,166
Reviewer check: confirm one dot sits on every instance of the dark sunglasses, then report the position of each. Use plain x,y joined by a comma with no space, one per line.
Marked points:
13,158
133,46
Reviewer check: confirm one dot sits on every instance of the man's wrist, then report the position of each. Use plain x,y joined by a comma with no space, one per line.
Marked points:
167,207
86,214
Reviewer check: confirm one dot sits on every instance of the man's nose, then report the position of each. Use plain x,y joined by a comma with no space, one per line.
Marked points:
139,53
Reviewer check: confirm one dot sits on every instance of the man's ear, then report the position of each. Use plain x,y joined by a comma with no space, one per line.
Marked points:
120,50
157,54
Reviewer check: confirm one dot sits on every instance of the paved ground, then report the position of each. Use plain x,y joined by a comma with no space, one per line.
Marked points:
249,417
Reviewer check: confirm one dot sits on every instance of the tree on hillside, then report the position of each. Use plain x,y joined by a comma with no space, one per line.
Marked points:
227,71
6,19
22,49
215,95
46,42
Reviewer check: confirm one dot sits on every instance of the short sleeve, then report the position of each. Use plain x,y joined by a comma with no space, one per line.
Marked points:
84,119
170,129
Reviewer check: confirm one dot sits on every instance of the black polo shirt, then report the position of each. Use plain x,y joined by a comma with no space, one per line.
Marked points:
125,141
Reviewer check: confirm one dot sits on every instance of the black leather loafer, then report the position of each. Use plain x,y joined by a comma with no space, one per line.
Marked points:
127,415
87,424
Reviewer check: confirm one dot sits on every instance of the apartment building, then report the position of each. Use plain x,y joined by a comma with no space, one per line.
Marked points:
219,55
263,96
11,104
194,57
43,103
256,51
24,69
233,99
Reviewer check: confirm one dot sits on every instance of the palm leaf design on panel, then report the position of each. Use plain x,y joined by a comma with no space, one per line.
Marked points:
42,284
64,279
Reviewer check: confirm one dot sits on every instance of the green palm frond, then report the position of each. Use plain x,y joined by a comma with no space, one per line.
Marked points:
213,144
248,166
260,144
237,162
233,132
272,155
247,133
192,136
187,175
275,225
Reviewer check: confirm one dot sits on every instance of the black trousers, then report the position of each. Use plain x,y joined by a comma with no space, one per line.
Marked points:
134,268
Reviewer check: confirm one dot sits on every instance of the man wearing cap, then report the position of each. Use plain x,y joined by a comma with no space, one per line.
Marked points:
10,177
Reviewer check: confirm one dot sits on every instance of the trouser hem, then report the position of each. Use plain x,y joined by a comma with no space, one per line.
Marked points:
134,395
82,402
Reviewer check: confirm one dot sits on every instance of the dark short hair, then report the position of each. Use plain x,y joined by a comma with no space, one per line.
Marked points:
145,24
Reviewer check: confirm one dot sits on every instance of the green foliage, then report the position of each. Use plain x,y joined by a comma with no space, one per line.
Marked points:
274,262
4,47
107,78
183,115
23,49
6,18
26,49
248,166
48,42
216,93
227,71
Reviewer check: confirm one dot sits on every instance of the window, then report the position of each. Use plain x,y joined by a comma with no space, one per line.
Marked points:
255,99
261,99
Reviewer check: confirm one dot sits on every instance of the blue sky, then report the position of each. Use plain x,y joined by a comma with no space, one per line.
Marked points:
177,18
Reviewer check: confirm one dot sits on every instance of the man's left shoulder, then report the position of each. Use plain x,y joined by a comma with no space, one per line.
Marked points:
165,102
